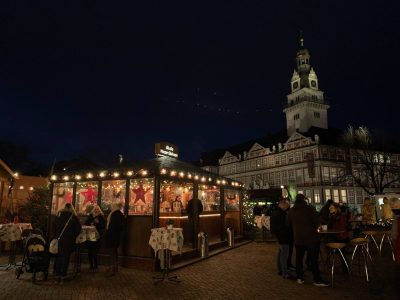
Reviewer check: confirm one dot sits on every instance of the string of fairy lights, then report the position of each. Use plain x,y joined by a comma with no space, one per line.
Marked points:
143,173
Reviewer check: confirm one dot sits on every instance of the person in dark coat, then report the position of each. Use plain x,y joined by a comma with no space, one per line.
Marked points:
324,212
194,208
115,226
95,218
67,242
304,221
284,234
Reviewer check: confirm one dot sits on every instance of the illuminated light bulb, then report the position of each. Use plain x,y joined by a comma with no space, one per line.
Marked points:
203,179
16,174
31,188
115,174
173,173
196,177
181,174
209,179
218,181
129,173
78,177
66,177
53,177
102,174
233,184
223,182
89,175
163,171
186,190
189,176
144,173
21,187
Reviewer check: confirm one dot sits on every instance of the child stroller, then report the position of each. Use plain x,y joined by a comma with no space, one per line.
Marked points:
36,258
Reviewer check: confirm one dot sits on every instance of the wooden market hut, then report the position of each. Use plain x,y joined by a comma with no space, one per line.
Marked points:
154,191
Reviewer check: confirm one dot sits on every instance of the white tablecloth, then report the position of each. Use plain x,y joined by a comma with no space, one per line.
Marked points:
163,238
88,233
12,232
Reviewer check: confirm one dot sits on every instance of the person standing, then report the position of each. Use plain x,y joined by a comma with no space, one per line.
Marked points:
95,218
66,227
194,209
303,219
283,233
115,225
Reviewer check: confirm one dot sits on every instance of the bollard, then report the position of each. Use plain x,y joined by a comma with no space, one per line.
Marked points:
231,237
202,244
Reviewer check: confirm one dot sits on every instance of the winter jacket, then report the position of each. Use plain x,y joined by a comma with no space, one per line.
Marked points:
67,242
115,228
339,222
279,228
303,219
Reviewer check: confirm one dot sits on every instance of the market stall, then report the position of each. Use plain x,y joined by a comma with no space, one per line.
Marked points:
154,192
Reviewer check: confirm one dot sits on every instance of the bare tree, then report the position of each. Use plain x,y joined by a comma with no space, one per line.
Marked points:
372,165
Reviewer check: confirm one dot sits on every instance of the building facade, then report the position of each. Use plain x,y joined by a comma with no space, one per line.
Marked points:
306,156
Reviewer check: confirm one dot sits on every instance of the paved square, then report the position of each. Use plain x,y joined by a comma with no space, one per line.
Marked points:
247,272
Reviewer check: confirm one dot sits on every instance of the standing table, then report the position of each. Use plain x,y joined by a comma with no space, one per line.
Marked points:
12,233
163,241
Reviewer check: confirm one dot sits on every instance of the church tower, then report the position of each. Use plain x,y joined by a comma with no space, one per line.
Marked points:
305,106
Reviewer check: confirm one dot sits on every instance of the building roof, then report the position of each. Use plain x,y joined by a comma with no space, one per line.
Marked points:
329,136
6,168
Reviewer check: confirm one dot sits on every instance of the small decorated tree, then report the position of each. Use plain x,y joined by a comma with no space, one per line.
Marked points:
36,209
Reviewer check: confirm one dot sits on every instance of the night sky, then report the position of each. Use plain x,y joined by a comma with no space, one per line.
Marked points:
102,78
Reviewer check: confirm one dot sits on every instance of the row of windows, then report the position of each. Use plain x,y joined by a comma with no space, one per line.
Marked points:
350,196
268,162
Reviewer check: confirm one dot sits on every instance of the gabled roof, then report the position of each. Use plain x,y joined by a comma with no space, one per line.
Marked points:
329,136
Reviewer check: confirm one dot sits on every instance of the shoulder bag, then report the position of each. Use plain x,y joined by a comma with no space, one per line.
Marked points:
53,247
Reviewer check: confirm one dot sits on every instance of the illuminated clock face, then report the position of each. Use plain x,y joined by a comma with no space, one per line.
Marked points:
295,85
313,83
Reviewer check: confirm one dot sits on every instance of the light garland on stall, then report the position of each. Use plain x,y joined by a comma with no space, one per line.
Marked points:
143,173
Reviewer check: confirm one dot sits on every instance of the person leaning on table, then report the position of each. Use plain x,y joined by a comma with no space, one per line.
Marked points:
66,243
115,226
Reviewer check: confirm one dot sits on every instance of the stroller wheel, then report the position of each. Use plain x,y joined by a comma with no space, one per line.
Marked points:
18,272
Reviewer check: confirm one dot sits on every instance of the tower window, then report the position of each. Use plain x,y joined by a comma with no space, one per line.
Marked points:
296,117
317,115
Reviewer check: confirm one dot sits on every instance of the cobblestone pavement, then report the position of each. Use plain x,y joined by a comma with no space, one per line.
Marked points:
247,272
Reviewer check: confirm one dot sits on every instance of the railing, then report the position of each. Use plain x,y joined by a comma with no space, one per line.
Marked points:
305,99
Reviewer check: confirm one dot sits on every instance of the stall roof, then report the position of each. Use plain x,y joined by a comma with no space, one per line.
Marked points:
151,167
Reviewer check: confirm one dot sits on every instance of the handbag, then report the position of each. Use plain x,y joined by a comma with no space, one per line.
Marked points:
53,247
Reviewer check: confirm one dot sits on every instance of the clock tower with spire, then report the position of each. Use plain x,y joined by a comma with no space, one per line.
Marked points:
306,106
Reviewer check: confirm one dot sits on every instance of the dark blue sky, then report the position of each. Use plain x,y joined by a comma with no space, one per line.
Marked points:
101,78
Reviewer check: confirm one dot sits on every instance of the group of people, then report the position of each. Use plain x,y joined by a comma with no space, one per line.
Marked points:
67,227
297,227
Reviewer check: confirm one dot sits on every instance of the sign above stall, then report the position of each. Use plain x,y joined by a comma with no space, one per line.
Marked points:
166,149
